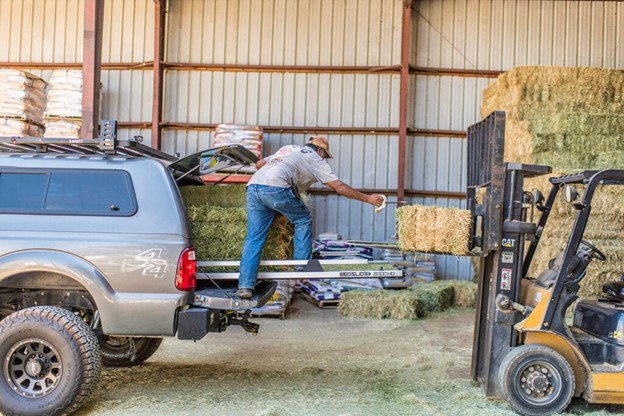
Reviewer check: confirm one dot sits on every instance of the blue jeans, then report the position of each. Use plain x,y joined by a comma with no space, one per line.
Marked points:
263,202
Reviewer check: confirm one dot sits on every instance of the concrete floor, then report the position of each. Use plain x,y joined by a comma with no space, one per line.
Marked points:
315,362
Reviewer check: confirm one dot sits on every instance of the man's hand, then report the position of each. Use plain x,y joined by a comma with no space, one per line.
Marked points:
375,200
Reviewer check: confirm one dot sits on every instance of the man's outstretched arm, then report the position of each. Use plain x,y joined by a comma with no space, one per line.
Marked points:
345,190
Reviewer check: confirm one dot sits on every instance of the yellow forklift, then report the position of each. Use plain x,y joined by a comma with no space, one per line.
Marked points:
524,351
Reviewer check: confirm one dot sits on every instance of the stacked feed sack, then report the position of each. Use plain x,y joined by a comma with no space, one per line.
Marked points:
250,137
63,113
571,119
412,303
218,220
429,229
22,102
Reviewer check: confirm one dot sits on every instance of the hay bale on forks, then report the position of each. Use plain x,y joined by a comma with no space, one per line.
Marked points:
433,229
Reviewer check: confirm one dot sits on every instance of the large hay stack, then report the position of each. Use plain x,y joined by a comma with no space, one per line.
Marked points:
571,119
218,220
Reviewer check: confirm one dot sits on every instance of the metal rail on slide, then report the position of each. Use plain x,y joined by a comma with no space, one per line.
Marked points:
313,271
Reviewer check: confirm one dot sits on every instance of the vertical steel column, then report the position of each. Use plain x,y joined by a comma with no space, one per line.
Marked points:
403,107
160,7
91,66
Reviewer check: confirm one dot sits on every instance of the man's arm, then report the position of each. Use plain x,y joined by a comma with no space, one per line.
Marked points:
345,190
260,163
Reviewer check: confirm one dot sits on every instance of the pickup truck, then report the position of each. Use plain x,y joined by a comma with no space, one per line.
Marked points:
97,264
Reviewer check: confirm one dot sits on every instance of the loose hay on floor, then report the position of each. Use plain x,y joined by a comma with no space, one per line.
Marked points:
433,229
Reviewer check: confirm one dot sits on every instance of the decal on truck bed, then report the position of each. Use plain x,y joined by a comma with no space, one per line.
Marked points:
153,265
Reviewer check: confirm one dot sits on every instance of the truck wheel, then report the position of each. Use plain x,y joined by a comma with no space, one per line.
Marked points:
536,380
50,361
127,351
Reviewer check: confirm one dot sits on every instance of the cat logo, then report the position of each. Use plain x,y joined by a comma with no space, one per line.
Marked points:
509,242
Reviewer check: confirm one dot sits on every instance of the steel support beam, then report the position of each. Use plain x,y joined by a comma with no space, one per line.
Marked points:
403,105
91,65
160,7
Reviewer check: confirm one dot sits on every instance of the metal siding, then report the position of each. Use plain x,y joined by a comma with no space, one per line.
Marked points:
497,35
282,99
285,32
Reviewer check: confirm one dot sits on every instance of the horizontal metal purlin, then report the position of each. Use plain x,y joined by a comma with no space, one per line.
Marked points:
172,66
75,65
297,129
282,68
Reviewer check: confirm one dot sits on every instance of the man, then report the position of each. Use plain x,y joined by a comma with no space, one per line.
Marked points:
275,188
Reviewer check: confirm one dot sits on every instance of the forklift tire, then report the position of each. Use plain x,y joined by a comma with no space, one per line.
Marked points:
536,380
50,362
127,351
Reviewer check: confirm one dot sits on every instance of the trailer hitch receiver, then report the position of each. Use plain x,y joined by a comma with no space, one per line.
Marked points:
243,321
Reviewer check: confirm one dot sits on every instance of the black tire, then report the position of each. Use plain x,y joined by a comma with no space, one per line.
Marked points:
536,380
50,362
128,352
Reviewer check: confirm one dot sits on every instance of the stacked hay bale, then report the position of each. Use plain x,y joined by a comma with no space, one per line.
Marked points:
571,119
412,303
22,102
428,229
218,219
63,114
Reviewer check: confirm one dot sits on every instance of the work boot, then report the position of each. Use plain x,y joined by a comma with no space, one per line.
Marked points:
243,293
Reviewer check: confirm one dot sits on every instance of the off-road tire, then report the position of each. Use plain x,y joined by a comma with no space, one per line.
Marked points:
536,380
119,352
61,349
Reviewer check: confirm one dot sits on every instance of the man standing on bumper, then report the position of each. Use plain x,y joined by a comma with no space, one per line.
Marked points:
275,188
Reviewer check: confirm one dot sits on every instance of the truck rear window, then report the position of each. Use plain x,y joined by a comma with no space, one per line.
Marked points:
69,192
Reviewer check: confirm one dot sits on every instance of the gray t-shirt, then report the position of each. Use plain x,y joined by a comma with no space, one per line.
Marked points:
294,166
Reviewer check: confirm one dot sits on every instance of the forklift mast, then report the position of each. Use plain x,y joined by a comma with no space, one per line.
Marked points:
499,229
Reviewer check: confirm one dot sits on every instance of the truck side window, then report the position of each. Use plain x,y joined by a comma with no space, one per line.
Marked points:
71,192
22,191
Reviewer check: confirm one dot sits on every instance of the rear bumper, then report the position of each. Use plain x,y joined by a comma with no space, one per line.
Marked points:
206,314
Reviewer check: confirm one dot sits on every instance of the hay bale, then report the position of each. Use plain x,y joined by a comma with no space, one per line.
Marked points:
433,229
465,293
570,119
381,304
218,220
412,303
219,233
435,296
225,196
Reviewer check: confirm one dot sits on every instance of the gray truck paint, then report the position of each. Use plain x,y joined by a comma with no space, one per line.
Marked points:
127,264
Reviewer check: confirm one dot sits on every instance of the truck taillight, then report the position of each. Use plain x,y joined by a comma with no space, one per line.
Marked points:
185,277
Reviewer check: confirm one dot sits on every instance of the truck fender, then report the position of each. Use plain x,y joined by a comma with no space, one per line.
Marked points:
74,267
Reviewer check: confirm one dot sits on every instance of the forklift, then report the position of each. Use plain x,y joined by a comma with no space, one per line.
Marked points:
523,349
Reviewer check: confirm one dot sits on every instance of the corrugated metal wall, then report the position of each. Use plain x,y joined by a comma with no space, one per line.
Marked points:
472,35
303,33
482,35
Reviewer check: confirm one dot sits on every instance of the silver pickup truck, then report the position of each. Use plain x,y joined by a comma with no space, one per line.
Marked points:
97,265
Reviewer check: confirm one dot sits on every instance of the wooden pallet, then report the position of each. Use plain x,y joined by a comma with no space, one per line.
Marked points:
324,304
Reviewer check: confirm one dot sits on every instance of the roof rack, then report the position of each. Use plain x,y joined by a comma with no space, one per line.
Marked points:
106,144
